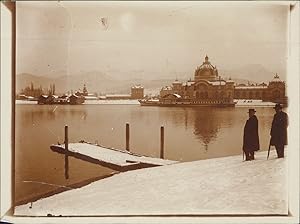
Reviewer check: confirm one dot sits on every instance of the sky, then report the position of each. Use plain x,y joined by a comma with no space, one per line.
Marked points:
149,39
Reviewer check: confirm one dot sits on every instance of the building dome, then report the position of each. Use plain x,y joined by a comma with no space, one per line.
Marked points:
206,71
206,64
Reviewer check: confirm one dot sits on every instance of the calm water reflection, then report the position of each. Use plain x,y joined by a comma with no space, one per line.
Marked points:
190,134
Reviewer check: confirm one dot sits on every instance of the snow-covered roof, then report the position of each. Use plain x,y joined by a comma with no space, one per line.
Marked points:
166,88
172,94
90,97
276,78
206,65
177,82
176,95
188,83
230,81
217,82
74,95
54,96
263,84
137,87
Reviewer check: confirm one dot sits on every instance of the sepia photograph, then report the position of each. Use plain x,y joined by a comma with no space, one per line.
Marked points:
152,109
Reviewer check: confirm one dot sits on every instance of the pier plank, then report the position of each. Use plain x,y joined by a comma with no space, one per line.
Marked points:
115,159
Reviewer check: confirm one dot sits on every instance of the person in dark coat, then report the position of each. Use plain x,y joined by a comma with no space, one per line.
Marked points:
251,139
279,130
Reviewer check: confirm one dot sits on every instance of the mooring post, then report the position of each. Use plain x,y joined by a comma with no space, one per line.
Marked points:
127,136
66,138
66,155
162,138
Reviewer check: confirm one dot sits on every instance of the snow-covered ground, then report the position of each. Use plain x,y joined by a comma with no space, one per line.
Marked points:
25,102
214,186
256,103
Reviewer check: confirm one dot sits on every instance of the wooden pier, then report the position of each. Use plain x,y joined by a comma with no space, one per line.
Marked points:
116,159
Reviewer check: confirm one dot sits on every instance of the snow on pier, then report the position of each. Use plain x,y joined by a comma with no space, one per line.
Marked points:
116,159
222,186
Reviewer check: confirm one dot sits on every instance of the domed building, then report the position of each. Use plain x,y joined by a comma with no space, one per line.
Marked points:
207,88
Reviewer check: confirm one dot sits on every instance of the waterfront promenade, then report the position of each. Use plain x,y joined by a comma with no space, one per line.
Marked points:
222,186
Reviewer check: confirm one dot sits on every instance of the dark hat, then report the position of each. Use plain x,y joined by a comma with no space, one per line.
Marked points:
278,105
251,110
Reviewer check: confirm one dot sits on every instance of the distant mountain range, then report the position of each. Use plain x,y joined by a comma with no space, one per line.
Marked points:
99,82
253,72
96,82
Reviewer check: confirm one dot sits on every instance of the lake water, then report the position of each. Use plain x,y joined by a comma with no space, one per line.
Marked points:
190,134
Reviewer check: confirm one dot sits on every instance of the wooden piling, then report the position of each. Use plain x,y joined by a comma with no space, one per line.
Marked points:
127,136
66,166
66,138
162,138
66,155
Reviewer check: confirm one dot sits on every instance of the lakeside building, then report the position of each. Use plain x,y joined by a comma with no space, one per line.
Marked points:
273,92
48,99
137,92
85,94
208,86
75,99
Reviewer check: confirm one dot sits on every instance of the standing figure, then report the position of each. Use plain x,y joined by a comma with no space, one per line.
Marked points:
251,139
279,130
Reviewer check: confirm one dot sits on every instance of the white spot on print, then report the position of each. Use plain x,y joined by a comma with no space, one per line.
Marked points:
127,21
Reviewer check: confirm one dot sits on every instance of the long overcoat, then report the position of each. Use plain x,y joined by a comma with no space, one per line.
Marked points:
279,129
251,139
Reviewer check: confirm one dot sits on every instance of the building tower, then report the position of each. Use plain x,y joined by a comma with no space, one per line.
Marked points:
137,92
85,92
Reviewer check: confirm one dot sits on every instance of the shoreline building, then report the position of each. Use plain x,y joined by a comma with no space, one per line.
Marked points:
137,92
273,92
208,86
